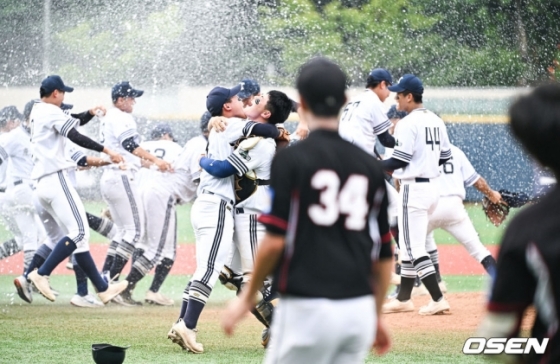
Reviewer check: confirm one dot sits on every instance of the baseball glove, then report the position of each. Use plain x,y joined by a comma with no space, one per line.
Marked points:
495,212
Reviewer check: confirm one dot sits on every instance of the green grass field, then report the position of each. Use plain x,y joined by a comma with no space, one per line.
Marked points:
47,332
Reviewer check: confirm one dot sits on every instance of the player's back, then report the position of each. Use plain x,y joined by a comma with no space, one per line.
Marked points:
17,144
530,271
116,127
334,187
167,150
456,174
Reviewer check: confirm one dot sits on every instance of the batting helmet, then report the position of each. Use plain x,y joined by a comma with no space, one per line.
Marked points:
108,354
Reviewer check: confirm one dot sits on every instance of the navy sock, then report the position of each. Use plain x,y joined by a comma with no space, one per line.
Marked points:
110,258
185,301
61,251
137,254
118,265
38,259
162,270
194,309
134,277
81,278
85,261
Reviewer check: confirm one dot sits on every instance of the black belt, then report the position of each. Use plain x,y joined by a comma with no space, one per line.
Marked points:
263,182
421,179
2,190
18,182
212,193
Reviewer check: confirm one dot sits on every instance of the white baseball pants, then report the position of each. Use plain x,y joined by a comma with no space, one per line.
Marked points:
418,200
19,204
212,221
59,198
322,331
451,216
119,190
246,237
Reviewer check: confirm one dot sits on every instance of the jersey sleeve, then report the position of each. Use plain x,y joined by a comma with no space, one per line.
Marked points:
467,170
238,128
246,160
3,155
405,137
379,121
282,194
125,128
445,145
75,153
63,123
514,285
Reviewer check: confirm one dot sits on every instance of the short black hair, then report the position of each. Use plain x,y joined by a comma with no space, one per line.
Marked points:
372,83
279,105
535,122
322,84
43,93
416,97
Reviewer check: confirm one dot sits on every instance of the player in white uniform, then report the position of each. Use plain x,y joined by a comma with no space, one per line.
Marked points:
118,185
15,144
14,245
50,127
160,229
450,214
422,144
212,212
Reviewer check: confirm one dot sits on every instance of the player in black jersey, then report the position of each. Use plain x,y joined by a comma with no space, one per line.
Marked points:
528,272
327,239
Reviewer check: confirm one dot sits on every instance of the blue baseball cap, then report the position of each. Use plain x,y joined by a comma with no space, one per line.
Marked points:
161,129
124,89
410,83
393,113
54,82
249,87
381,74
218,97
204,120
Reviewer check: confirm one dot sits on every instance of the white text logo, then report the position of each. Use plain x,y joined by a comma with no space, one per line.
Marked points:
499,345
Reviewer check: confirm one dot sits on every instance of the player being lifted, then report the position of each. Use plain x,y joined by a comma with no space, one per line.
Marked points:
328,215
421,146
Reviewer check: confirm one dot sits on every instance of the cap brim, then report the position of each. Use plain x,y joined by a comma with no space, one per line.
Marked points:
234,91
67,89
244,95
137,93
64,106
396,88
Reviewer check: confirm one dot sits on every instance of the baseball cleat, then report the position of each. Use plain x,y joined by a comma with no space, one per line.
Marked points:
112,291
395,306
395,279
156,298
23,289
265,337
435,308
54,291
230,279
86,301
127,298
395,292
42,284
118,300
176,339
188,337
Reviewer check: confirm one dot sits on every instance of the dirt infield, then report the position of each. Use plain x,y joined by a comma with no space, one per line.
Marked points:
454,259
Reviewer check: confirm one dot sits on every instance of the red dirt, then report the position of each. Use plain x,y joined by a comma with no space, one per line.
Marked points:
454,259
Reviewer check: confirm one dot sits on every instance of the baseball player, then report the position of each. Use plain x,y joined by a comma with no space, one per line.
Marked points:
15,145
251,164
159,236
528,272
328,215
421,146
12,246
212,212
118,186
50,127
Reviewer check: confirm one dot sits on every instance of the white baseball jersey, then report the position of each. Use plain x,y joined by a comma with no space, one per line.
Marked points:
363,119
116,127
421,140
16,144
219,148
256,162
456,174
49,128
167,150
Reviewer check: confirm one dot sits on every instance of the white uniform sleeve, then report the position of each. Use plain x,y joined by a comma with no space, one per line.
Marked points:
194,167
63,123
379,121
238,128
125,128
467,170
445,145
405,137
75,153
3,154
246,160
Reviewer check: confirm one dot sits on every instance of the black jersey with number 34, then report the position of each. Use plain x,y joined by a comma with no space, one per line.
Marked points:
329,201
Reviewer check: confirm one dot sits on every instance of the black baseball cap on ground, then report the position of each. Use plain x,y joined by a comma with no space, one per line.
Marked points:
124,89
54,82
322,84
108,354
218,97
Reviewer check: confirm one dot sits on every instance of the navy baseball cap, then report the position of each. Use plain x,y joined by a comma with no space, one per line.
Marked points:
393,113
381,74
249,87
218,97
159,130
124,89
409,83
54,82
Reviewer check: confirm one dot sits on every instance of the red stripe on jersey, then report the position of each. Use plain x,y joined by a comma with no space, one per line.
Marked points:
386,238
506,307
274,221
